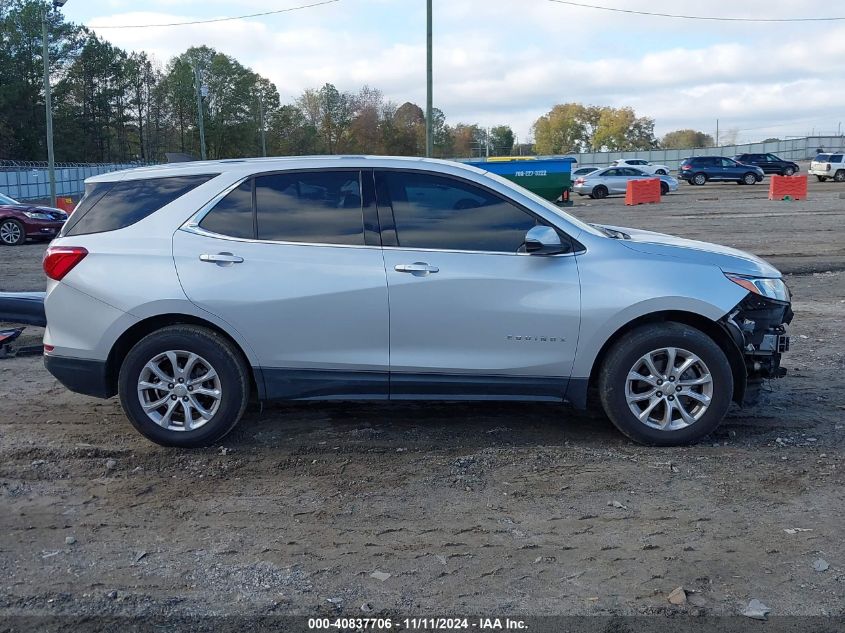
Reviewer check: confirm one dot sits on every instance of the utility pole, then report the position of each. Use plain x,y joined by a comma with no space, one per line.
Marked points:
48,102
199,88
429,101
263,135
717,132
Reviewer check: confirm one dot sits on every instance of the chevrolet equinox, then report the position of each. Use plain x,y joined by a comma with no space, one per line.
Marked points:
188,289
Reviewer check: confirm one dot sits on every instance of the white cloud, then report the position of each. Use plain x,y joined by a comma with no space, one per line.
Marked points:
494,64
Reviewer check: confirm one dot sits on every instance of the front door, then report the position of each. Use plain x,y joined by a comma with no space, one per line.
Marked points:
470,315
284,260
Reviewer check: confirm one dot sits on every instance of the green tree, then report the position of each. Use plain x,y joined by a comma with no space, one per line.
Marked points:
562,130
686,139
619,129
501,140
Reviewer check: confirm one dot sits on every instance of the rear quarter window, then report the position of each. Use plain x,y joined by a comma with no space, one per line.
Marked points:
113,206
836,158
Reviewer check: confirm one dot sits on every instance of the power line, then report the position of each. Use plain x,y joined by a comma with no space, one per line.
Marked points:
694,17
236,17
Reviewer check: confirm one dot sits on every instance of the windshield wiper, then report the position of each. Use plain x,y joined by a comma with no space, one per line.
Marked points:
613,233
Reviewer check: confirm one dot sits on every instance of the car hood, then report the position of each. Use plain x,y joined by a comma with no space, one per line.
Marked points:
730,260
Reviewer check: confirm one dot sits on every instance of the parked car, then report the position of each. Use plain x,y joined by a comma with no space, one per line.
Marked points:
19,221
582,171
614,180
826,166
642,165
324,278
769,163
700,169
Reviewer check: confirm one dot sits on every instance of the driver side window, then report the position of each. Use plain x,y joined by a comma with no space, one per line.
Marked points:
435,212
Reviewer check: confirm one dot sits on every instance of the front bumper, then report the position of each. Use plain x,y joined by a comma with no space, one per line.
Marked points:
36,228
83,376
758,326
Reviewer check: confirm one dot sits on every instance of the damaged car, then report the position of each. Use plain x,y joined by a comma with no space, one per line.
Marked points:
189,290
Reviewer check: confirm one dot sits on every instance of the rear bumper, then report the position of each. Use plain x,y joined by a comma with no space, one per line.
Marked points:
83,376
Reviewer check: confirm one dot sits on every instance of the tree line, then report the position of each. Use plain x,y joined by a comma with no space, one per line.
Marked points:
111,105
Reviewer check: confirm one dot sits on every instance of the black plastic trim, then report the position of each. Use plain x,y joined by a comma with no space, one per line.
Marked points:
83,376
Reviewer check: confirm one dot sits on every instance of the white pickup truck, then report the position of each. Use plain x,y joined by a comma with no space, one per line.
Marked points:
826,166
642,165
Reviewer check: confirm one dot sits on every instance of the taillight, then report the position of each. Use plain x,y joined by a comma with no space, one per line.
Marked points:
59,260
827,167
686,167
579,181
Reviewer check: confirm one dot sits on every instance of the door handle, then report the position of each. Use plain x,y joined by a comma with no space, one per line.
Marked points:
221,259
418,269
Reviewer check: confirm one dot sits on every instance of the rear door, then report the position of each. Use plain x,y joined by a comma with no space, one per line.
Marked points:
285,259
470,315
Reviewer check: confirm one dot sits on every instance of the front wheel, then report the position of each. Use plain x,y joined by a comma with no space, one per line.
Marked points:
664,189
183,386
661,172
12,232
749,179
666,384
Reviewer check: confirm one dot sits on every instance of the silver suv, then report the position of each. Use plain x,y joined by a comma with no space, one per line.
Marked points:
189,289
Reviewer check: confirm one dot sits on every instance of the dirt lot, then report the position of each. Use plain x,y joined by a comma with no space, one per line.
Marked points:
483,508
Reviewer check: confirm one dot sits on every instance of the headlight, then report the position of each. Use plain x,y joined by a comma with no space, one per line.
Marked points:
763,286
35,215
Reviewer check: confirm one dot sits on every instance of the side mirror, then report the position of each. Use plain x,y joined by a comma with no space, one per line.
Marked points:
543,240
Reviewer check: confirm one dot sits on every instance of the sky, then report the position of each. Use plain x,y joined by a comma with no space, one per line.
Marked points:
509,61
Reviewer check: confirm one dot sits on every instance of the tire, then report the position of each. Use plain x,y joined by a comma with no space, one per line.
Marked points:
821,178
749,179
789,171
12,232
225,395
839,176
661,172
699,179
599,192
625,357
664,189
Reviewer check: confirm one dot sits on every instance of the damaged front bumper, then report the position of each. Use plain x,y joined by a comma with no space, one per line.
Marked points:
758,326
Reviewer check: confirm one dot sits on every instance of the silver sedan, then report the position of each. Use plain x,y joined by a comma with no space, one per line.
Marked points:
614,180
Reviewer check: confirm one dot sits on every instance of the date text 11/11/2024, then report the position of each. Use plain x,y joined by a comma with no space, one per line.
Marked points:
416,624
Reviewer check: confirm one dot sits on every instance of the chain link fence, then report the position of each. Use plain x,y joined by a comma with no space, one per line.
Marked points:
25,180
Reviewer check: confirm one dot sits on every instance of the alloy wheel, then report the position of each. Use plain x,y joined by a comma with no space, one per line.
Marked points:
10,232
179,390
669,389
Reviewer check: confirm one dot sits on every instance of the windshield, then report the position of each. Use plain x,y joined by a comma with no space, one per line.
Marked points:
545,204
7,200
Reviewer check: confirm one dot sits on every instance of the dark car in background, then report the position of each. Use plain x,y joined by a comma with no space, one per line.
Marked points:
769,163
698,170
19,221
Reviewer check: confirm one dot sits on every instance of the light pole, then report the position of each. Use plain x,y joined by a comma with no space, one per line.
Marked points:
48,100
202,91
429,124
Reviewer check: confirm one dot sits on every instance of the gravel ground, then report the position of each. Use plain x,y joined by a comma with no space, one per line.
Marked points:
482,508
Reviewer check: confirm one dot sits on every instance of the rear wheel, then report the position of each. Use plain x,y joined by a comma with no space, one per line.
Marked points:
600,192
183,386
839,176
699,179
664,188
666,384
821,178
12,232
749,179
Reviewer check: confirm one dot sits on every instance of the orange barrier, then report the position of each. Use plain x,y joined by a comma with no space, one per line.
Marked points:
65,204
644,191
788,188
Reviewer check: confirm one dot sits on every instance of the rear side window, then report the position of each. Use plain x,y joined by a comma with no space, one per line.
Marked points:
321,207
836,158
118,205
232,216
